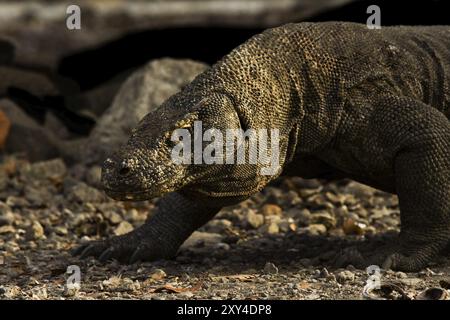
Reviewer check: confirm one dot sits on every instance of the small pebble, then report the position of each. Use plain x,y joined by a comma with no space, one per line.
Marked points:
345,276
158,274
270,268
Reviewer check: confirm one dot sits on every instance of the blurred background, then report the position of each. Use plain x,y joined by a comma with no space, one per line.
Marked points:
70,97
59,84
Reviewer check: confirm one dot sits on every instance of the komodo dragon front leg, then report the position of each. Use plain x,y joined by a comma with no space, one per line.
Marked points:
419,137
159,237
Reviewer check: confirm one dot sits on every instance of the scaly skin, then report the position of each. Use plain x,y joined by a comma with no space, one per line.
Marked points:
371,105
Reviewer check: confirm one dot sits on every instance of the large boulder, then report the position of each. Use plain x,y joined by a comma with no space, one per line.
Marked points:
6,52
141,93
34,83
25,136
41,37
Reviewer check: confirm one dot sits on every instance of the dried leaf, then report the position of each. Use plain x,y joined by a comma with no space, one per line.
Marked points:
387,291
5,125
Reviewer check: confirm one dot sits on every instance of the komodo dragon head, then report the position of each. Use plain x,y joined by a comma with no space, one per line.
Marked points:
144,168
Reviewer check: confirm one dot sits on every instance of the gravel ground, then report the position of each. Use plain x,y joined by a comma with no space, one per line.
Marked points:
288,242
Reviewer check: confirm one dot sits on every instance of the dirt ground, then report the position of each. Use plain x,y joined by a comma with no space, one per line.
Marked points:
292,241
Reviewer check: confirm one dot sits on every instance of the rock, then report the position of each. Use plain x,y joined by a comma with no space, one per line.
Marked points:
3,180
253,219
287,225
324,273
54,170
271,228
301,183
345,276
82,193
270,268
380,213
303,216
123,228
292,198
26,136
271,210
7,229
37,196
5,125
6,215
39,41
11,246
93,176
134,215
9,291
98,99
218,225
5,220
305,262
144,91
412,282
323,218
71,291
17,202
427,272
113,217
204,239
60,230
35,83
158,274
54,125
337,199
351,227
39,293
34,232
186,294
313,229
118,284
401,275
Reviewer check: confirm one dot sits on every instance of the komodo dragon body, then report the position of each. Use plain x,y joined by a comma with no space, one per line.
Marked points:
370,105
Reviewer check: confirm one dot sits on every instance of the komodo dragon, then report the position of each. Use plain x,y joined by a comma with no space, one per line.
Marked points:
370,105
